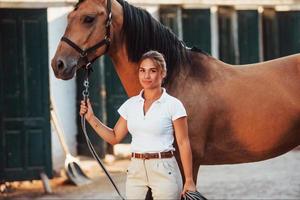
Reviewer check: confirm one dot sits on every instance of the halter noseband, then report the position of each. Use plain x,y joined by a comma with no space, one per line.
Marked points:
106,41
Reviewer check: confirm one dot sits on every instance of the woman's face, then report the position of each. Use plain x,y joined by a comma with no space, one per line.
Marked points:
150,76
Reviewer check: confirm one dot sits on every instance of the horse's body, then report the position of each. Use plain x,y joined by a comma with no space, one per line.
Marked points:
236,114
243,114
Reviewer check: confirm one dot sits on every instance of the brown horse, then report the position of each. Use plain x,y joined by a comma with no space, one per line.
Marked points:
236,114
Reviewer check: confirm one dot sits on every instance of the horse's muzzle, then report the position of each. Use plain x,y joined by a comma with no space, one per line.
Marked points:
62,70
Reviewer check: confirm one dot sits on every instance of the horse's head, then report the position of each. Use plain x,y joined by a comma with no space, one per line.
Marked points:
86,37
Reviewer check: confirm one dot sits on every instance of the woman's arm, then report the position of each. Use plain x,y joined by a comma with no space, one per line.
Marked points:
112,136
181,133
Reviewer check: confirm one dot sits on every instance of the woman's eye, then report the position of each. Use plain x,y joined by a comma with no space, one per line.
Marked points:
88,19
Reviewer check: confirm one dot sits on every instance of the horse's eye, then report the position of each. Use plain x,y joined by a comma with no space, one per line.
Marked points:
88,19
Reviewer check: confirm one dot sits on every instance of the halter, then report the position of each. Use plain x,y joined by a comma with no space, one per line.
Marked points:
106,41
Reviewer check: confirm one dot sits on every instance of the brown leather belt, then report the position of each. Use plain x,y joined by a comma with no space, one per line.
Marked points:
168,154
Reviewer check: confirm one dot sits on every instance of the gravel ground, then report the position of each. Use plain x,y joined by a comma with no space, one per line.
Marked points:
277,178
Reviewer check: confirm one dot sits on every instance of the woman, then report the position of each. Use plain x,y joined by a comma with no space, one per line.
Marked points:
152,117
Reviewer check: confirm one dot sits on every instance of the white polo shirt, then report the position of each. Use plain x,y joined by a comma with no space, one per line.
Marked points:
154,131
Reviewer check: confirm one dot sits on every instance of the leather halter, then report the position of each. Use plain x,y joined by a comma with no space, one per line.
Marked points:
106,41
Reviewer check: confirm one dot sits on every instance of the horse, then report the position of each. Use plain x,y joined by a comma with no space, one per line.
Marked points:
236,113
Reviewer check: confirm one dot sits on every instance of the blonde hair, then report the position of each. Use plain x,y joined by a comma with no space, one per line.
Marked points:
157,58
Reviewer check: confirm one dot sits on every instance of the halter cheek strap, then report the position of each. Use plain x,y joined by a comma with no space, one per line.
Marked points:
106,41
83,53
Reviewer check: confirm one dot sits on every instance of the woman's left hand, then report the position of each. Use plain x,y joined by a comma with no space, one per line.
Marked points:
188,186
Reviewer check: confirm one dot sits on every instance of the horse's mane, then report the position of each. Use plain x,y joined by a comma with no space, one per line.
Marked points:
77,4
143,33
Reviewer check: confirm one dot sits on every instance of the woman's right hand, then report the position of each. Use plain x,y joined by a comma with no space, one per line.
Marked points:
86,110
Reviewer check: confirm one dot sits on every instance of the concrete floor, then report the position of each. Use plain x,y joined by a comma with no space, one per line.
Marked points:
277,178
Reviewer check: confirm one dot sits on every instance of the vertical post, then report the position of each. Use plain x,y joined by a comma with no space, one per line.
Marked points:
103,96
235,36
45,182
179,22
214,32
260,34
228,38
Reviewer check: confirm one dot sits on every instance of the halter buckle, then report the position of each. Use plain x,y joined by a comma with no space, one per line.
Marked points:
107,39
83,54
109,20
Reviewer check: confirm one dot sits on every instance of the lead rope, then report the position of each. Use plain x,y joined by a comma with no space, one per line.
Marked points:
85,95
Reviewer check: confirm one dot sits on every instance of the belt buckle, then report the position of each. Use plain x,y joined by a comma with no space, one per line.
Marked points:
146,156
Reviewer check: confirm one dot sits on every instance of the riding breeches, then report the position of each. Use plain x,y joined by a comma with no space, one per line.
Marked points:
161,175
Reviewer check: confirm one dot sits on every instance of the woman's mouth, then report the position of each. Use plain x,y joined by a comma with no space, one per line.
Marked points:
147,82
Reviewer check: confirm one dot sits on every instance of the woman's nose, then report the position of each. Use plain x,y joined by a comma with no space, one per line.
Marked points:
147,75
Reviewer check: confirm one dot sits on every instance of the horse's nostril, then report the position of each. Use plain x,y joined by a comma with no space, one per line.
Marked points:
60,65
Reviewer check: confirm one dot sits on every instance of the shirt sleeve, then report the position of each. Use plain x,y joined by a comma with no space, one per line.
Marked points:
123,110
177,110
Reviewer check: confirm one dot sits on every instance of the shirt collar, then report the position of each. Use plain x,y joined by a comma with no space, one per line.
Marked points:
161,98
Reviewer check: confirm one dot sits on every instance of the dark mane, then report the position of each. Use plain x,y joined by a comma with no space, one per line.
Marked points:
143,33
77,4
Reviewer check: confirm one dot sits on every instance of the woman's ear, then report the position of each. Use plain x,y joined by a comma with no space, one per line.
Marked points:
164,74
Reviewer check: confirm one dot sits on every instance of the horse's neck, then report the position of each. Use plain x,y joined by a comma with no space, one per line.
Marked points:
127,71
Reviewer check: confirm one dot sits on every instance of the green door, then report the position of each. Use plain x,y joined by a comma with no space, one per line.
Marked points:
270,34
115,95
25,139
196,28
248,36
95,90
280,33
195,25
169,17
289,29
227,36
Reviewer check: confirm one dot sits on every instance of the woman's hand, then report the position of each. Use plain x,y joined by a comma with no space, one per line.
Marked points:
188,186
86,110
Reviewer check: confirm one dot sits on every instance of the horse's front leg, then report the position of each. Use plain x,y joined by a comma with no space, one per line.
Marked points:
196,166
197,142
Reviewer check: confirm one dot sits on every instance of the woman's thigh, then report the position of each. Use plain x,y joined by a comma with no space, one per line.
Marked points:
136,181
164,178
